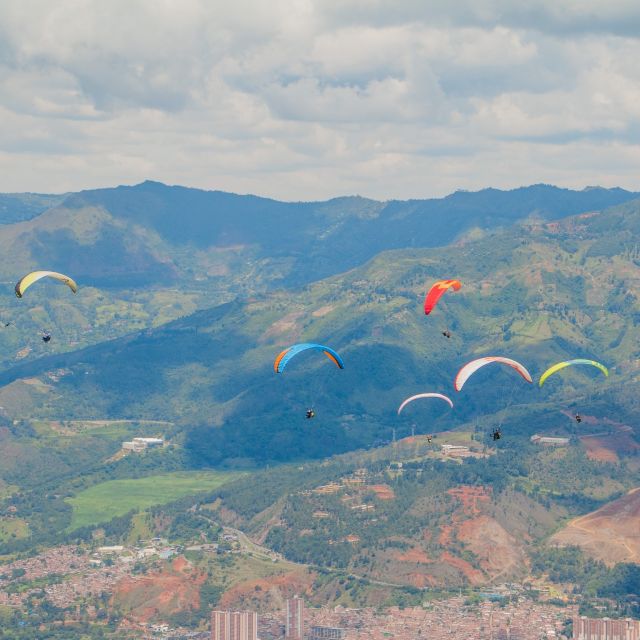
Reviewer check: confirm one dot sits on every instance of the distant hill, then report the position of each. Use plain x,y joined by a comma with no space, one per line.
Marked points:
151,253
185,349
541,292
136,236
16,207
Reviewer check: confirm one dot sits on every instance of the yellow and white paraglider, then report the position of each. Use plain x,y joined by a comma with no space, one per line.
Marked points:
25,282
569,363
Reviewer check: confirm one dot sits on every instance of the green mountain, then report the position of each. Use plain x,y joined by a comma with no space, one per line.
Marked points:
149,254
533,289
539,293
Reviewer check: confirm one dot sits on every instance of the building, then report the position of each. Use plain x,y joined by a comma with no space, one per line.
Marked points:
549,440
326,633
459,451
294,626
234,625
141,444
605,629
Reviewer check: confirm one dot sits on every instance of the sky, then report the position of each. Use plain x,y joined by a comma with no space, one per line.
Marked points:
304,100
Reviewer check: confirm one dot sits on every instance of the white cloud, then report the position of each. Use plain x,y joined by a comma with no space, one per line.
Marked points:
302,99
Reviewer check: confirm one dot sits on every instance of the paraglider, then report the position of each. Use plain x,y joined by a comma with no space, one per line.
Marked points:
438,289
578,418
26,281
567,363
471,367
285,356
424,395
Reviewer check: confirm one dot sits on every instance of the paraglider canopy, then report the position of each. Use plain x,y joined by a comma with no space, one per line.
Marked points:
25,282
568,363
471,367
285,356
424,395
438,289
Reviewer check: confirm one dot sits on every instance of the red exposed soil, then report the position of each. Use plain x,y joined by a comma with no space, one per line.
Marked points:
445,535
160,594
470,497
496,549
605,448
610,534
415,555
474,576
382,491
270,591
598,450
421,580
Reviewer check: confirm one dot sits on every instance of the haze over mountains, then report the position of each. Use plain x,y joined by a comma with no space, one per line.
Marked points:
538,291
151,253
186,297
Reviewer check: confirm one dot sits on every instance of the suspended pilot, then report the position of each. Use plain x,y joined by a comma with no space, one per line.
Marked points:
578,418
429,439
496,434
46,336
447,333
310,414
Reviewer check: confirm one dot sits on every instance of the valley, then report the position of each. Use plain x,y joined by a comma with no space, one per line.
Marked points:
248,503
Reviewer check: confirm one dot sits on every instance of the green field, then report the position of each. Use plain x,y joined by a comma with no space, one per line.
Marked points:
114,498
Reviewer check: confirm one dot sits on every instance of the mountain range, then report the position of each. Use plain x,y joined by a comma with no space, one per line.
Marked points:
187,296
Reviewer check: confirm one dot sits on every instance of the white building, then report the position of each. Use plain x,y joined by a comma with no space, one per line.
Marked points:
141,444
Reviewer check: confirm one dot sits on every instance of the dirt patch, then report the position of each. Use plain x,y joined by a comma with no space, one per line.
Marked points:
323,311
474,576
421,580
415,555
608,447
445,535
382,491
470,497
610,534
286,328
496,549
159,595
598,450
269,593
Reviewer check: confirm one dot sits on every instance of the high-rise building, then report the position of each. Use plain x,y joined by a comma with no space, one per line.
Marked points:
605,629
234,625
295,619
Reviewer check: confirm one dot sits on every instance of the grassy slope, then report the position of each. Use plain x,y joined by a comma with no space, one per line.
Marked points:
114,498
148,254
540,294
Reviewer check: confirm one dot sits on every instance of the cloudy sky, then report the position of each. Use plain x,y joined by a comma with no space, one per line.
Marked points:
309,99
